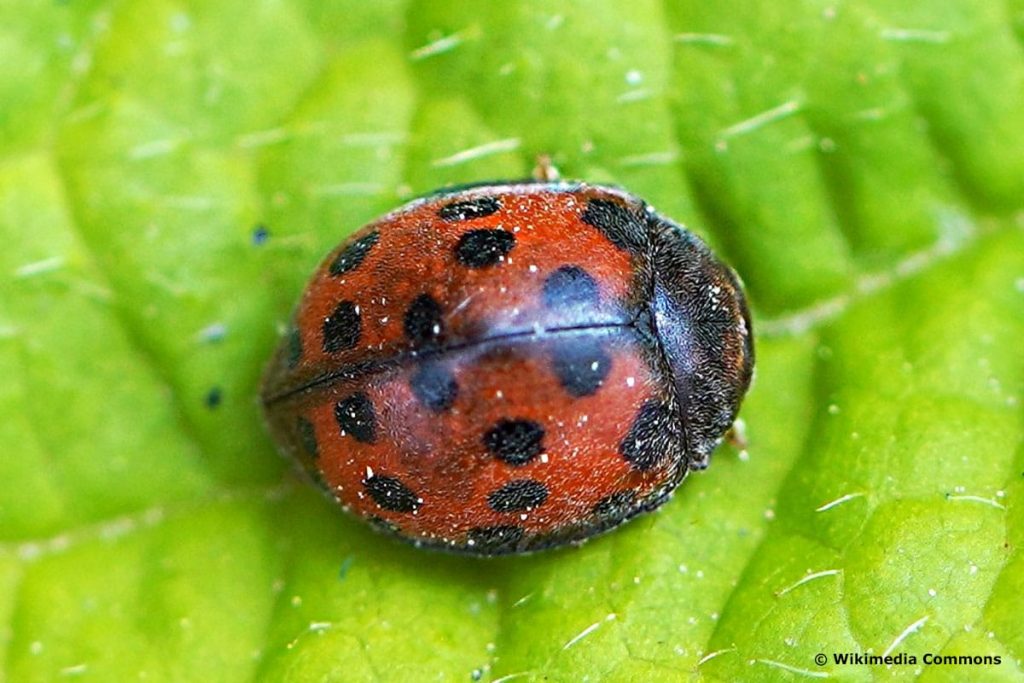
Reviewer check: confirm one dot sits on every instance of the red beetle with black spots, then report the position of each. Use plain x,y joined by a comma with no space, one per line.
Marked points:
507,367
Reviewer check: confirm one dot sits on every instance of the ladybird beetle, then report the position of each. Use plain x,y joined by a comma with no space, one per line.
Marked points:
507,367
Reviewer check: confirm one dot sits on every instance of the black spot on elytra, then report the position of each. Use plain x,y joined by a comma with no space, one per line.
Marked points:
391,494
625,228
515,442
294,347
570,286
518,495
581,365
495,539
307,437
434,386
342,328
645,444
423,320
352,256
472,208
483,248
615,506
357,417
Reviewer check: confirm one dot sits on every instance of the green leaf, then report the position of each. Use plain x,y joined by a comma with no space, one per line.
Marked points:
860,164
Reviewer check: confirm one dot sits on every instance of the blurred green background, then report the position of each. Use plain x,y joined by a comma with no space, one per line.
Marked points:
171,172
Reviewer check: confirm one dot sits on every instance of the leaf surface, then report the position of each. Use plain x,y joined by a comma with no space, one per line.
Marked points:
171,172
